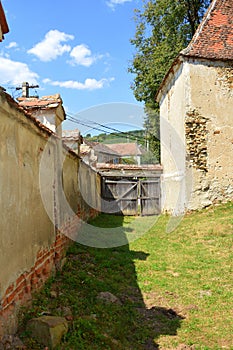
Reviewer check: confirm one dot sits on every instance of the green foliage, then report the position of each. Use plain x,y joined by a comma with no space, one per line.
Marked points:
128,161
151,124
148,137
149,158
119,137
163,29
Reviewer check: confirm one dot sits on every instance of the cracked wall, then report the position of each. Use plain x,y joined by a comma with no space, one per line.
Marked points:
196,125
32,245
209,132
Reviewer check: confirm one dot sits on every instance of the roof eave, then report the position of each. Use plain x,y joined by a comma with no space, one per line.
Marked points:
178,60
3,21
204,57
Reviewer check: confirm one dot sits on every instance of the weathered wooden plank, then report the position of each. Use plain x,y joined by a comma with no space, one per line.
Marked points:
124,195
150,197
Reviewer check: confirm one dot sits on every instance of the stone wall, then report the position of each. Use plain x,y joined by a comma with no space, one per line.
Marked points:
35,227
196,124
196,139
209,122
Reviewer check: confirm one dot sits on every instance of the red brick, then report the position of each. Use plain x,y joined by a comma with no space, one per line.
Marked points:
40,254
28,289
58,240
21,295
39,261
4,303
42,258
11,298
10,289
47,267
19,288
39,270
28,277
20,279
34,280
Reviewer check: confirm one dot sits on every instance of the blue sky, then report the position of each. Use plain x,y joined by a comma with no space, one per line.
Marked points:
80,49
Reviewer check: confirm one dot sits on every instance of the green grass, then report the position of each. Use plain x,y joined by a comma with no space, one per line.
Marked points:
174,288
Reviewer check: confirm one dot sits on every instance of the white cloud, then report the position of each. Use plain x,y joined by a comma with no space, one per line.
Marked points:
113,3
89,84
12,45
50,47
13,72
81,55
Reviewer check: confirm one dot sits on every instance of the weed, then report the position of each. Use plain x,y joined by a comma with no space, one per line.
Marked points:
172,288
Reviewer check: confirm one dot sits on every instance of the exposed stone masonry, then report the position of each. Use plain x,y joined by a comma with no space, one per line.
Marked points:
196,139
225,77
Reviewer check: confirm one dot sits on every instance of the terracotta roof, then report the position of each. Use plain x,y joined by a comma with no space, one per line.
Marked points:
27,114
3,22
51,101
84,150
101,148
213,39
126,149
214,36
125,170
71,135
34,120
152,167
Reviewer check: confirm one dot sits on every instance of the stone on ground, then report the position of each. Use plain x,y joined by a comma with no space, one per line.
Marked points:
48,330
108,298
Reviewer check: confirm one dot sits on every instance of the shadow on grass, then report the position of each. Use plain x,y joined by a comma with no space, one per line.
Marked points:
97,319
121,323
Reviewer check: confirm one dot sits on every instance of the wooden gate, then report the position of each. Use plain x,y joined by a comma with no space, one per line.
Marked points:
120,196
149,194
127,196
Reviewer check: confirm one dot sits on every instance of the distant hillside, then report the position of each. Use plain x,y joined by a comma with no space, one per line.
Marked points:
121,137
137,136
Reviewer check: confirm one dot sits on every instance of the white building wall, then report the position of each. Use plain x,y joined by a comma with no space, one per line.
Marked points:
172,135
212,100
196,107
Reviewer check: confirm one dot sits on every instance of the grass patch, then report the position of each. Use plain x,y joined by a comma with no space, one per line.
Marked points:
173,288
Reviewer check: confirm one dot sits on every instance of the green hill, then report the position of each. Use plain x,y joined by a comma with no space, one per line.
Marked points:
121,137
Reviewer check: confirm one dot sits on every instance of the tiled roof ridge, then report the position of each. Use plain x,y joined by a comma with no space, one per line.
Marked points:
105,149
31,102
71,134
27,114
199,29
44,102
109,166
216,45
3,21
101,147
34,120
213,38
126,148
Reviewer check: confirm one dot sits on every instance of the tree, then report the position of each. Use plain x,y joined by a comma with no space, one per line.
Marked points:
163,29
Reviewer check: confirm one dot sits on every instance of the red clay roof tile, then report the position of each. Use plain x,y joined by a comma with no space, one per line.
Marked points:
51,101
126,149
3,22
101,147
214,36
